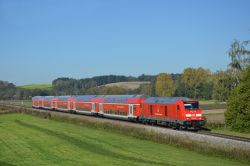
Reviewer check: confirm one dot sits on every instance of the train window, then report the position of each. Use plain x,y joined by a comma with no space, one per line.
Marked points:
178,107
151,109
166,110
191,105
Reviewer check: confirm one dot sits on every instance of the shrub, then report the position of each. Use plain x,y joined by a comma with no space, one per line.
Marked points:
238,106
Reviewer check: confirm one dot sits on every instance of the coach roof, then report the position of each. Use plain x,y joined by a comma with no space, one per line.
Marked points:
37,97
120,98
164,100
85,97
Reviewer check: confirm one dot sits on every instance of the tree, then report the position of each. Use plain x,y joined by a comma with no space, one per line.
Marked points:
194,78
147,89
164,85
7,90
222,85
240,58
238,105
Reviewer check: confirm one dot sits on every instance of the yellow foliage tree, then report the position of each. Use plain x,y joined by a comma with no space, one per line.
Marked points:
164,85
194,77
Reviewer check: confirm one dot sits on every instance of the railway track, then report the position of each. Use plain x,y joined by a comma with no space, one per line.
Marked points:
237,138
201,132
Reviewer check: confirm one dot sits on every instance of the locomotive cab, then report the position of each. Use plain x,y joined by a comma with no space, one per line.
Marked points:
193,114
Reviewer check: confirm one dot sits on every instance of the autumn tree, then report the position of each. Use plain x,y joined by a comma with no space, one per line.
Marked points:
164,85
194,78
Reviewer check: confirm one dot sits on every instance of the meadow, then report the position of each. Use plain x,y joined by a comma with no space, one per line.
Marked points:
28,140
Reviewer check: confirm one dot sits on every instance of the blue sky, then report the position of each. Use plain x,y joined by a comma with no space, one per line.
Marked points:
45,39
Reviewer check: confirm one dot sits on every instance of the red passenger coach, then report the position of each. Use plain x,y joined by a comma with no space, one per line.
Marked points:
35,101
85,104
176,112
50,102
121,106
65,103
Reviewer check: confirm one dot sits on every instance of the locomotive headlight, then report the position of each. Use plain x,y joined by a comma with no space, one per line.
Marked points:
198,115
188,115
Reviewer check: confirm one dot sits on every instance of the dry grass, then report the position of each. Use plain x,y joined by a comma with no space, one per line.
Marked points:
128,85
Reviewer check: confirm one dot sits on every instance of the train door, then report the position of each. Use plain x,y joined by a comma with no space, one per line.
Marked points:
177,110
130,113
100,108
69,105
93,107
74,105
55,104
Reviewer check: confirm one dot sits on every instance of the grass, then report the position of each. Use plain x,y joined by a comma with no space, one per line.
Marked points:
202,101
26,140
36,86
27,103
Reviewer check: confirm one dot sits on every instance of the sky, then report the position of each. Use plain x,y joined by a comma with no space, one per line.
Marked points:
42,40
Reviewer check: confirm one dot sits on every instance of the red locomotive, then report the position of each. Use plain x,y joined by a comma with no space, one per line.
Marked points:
175,112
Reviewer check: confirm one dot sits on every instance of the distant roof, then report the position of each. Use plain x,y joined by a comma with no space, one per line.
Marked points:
164,100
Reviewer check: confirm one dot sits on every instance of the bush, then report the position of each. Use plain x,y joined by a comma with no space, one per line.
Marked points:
238,106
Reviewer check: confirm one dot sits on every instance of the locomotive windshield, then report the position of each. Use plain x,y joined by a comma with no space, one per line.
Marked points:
191,105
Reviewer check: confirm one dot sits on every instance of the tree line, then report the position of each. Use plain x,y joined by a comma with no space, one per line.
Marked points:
198,83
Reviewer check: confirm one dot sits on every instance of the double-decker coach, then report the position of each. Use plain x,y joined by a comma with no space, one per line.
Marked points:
65,103
35,101
121,106
85,104
49,102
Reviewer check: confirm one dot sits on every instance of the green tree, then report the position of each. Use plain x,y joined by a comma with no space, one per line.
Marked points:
7,90
238,105
222,85
164,85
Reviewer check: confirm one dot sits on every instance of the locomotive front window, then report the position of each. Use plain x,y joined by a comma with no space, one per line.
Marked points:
191,105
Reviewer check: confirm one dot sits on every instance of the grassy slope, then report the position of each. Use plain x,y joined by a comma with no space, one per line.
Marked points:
25,140
37,86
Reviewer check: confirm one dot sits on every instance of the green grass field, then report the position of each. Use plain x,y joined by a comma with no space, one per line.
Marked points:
36,86
28,140
202,101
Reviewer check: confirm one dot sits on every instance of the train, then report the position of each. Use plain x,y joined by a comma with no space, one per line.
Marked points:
174,112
